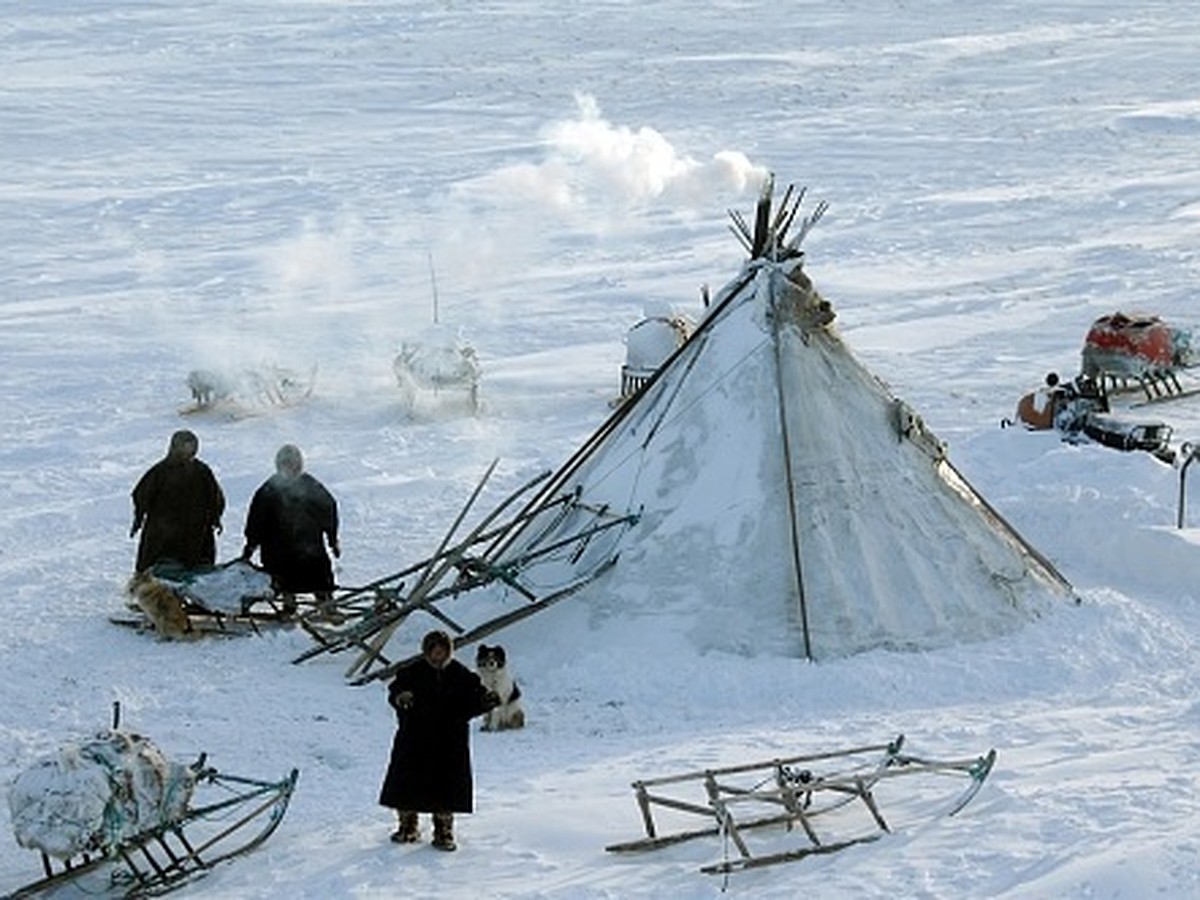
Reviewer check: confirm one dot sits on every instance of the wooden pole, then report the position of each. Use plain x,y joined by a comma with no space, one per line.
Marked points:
433,282
789,478
425,581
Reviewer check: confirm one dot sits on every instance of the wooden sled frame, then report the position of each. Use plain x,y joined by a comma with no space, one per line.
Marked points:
371,614
164,858
798,794
255,611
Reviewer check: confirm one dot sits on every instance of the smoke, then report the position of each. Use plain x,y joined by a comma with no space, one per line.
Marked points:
343,290
592,166
315,264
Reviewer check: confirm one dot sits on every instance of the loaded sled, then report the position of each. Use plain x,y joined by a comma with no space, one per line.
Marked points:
176,602
112,817
1138,352
1123,354
834,799
648,344
438,371
248,392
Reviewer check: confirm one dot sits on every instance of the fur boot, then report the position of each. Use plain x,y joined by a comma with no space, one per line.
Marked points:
407,831
443,831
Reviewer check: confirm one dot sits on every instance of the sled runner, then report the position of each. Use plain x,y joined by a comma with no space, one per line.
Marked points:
836,799
112,816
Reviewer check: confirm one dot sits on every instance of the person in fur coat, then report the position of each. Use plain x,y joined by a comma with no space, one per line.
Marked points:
177,506
291,518
435,697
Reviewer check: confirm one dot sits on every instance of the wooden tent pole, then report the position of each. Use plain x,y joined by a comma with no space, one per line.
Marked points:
793,520
376,644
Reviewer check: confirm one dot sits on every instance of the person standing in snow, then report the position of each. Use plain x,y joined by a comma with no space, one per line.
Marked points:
291,518
177,506
435,697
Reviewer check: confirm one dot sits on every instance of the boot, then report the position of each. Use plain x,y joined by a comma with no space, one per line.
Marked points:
407,831
443,831
327,610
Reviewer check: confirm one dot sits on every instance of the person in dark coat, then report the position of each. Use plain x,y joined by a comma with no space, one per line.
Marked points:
435,697
177,506
291,518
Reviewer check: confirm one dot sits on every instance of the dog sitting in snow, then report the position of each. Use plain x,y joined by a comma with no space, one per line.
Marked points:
161,605
492,665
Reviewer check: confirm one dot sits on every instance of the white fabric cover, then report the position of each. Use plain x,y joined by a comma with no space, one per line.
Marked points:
92,796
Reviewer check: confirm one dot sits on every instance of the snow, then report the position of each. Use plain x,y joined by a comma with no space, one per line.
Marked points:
227,186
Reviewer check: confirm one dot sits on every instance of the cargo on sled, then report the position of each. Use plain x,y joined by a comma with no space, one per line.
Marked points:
177,602
1080,411
113,816
1138,352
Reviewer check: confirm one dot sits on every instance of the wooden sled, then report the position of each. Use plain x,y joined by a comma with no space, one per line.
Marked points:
238,815
203,623
837,792
178,603
249,392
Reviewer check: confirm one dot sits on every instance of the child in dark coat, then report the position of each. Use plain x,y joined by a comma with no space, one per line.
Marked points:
435,697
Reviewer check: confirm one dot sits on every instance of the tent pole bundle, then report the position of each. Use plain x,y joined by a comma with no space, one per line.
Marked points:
459,566
799,791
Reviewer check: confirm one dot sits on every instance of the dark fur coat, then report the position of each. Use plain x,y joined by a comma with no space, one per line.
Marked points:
289,519
177,504
430,766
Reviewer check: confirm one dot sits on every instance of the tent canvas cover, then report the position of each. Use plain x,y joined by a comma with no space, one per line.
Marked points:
782,499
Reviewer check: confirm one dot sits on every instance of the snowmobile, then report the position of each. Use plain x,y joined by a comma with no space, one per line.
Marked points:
1079,410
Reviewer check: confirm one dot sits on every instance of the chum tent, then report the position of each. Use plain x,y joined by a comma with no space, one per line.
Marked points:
769,469
763,488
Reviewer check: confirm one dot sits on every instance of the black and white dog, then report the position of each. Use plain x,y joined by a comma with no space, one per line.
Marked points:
492,665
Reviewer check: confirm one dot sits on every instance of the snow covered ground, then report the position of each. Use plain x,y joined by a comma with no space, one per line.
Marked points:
258,183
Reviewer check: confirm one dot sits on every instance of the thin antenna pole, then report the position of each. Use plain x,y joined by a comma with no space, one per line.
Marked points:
433,282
